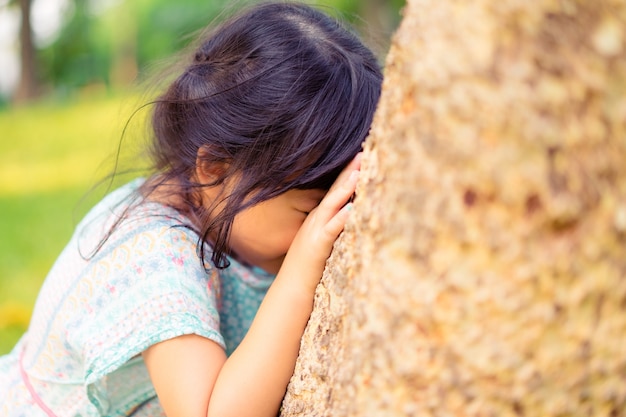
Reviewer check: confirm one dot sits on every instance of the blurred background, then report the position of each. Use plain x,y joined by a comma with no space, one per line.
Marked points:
72,73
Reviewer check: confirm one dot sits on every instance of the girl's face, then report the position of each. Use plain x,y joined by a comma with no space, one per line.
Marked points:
262,234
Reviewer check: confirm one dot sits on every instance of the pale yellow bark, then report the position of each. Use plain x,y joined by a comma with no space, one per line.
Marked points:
484,270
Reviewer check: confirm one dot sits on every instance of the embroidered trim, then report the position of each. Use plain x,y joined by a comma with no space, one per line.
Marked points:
36,398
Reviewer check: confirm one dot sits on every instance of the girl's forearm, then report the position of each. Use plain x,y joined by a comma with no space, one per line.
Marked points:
253,380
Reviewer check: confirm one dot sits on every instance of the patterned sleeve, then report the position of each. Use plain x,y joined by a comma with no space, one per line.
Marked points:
151,287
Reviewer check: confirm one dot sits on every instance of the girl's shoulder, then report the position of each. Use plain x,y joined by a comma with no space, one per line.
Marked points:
124,213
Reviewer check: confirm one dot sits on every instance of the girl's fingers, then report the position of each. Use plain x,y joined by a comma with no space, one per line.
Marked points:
354,165
338,196
344,186
330,216
336,223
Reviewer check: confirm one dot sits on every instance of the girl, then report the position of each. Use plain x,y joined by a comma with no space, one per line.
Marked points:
149,308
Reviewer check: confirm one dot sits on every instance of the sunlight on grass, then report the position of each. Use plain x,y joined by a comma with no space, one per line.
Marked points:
12,313
51,155
50,147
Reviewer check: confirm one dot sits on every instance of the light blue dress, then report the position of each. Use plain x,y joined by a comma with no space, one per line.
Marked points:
81,355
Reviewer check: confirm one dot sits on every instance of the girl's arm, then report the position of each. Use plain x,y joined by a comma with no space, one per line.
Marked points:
192,375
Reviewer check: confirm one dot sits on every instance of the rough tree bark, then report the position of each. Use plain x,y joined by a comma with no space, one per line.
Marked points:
483,272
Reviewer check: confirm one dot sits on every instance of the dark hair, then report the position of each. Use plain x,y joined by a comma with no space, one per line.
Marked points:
281,93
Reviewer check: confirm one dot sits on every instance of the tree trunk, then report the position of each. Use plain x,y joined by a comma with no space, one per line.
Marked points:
28,87
483,271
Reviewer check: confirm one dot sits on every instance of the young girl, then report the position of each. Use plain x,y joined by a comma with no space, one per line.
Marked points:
148,310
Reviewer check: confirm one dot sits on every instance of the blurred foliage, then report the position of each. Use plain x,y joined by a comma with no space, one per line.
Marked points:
111,47
80,55
91,43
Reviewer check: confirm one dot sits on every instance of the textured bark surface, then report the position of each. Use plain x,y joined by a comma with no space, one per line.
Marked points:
483,271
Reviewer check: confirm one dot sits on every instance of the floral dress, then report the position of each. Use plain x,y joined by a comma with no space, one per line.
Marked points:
107,300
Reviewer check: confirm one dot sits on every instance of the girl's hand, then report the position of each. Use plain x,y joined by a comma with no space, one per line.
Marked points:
314,241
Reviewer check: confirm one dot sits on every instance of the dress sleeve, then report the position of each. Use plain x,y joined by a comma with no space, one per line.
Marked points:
149,288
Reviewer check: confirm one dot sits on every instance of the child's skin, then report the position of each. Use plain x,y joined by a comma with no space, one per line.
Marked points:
191,374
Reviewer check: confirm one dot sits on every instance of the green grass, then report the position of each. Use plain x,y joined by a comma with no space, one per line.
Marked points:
51,155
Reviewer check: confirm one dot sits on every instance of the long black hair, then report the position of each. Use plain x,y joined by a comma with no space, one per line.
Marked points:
281,94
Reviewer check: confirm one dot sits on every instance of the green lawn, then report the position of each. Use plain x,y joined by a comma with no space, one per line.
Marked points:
51,155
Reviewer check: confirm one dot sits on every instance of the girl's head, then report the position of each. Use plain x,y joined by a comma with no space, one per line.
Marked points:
279,97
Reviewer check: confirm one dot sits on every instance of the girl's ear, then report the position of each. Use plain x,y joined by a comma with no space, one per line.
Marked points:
207,171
